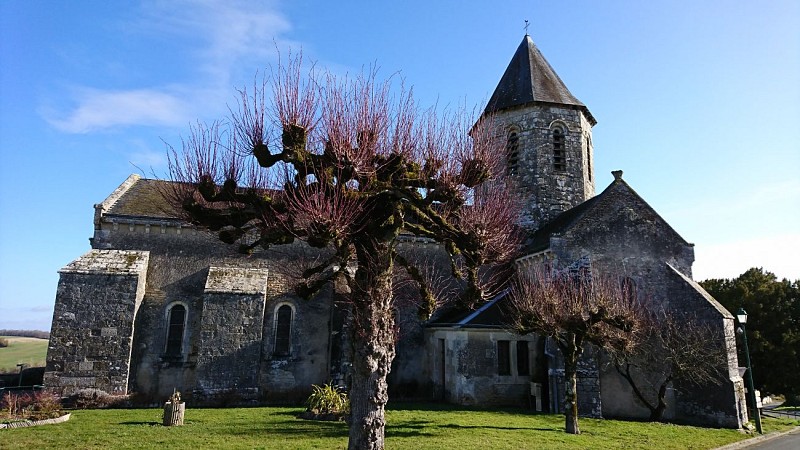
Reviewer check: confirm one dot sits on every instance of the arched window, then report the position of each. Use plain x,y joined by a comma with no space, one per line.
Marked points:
283,331
176,325
512,153
559,160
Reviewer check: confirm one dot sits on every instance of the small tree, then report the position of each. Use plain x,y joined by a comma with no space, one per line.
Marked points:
576,310
672,348
347,167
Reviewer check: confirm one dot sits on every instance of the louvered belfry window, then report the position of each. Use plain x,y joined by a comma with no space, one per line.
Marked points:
512,153
559,159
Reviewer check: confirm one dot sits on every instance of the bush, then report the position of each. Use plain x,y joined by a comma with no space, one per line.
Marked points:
37,406
3,342
46,405
12,406
327,400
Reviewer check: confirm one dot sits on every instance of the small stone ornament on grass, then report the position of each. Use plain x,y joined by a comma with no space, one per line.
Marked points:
173,410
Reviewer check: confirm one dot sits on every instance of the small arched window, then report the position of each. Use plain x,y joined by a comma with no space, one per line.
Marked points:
176,325
559,159
283,330
512,153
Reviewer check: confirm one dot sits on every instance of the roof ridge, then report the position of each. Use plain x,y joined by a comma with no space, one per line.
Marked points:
114,197
101,208
700,290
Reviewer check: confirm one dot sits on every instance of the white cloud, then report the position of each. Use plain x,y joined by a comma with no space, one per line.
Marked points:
105,109
224,38
228,34
776,254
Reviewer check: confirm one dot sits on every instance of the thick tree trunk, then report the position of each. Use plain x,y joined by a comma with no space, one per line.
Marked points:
657,413
628,375
373,346
571,352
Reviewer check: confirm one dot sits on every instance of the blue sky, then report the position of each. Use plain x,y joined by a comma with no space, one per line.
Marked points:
698,102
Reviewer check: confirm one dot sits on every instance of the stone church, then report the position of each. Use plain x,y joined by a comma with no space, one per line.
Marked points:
158,305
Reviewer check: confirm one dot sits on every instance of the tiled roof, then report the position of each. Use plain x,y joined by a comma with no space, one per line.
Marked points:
530,78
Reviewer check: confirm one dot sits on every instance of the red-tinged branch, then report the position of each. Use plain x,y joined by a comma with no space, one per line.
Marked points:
351,165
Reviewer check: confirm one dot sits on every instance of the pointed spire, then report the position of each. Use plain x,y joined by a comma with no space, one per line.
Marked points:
530,78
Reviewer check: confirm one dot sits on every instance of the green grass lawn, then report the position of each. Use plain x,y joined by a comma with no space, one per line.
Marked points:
414,427
22,350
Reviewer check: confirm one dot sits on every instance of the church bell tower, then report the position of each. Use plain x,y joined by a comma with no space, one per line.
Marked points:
548,135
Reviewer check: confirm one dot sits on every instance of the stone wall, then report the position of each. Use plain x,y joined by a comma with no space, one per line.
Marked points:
721,404
622,236
288,377
544,191
97,300
467,373
179,270
229,346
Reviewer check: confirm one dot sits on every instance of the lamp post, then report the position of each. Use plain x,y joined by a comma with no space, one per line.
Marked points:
21,367
741,316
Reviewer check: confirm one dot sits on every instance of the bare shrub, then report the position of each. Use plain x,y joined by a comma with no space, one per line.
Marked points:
45,405
34,406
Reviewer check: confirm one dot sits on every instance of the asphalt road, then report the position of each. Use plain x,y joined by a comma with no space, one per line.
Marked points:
789,441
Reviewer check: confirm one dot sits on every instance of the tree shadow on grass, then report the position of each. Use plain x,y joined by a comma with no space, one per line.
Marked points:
303,428
426,428
410,424
292,413
491,427
140,423
275,432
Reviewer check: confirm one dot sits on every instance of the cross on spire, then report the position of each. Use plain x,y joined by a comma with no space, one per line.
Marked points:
526,27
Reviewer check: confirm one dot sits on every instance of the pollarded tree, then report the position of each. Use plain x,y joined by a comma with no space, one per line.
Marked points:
347,167
672,348
576,309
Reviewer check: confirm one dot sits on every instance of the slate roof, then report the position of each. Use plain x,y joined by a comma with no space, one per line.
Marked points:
530,78
702,292
144,199
493,314
540,240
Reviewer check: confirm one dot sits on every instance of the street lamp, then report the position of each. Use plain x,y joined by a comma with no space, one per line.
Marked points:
741,316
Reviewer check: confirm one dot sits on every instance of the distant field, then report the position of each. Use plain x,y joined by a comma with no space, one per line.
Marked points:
22,350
